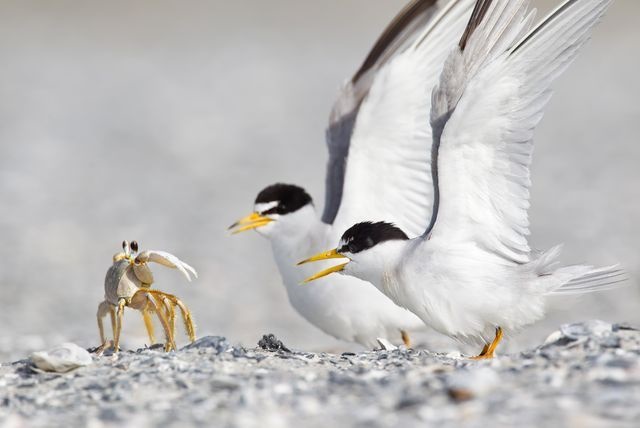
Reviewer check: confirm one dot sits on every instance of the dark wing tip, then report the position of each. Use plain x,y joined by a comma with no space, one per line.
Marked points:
479,12
397,25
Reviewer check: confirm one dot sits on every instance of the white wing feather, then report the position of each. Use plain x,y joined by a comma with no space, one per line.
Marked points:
388,174
490,99
401,33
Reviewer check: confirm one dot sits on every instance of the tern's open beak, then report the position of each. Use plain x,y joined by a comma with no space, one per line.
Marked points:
252,221
333,254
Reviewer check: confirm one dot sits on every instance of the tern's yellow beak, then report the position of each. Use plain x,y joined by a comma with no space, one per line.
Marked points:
252,221
333,254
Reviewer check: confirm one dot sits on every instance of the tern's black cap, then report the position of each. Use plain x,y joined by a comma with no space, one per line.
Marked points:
363,236
290,198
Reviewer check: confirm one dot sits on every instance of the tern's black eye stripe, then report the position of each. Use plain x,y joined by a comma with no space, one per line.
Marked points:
289,198
363,236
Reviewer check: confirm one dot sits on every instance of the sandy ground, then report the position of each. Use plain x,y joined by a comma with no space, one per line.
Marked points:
160,121
584,375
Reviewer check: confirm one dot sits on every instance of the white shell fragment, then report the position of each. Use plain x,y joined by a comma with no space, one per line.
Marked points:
61,359
385,345
553,337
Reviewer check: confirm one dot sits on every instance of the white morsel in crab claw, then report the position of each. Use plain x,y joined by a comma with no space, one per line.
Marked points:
61,359
385,345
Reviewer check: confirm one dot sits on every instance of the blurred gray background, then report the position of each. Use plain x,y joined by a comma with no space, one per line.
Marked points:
161,120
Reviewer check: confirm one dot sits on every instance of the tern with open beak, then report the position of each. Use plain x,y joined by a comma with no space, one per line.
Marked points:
472,275
380,121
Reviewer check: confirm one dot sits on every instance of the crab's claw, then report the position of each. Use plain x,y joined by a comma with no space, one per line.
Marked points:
168,260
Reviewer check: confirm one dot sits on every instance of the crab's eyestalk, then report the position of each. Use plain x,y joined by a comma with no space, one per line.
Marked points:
126,247
252,221
134,246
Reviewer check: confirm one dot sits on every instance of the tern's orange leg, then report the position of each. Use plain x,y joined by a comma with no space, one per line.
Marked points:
485,349
488,351
405,338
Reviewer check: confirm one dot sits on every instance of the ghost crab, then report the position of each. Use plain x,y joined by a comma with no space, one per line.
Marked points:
128,283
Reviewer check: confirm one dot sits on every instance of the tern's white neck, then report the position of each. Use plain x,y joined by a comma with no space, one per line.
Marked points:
379,265
293,235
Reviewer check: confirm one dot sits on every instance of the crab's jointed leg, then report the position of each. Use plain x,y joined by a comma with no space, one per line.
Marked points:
122,302
103,308
169,344
148,323
146,314
168,314
112,315
186,315
171,314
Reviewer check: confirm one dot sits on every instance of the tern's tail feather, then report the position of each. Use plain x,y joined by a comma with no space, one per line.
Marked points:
577,279
599,279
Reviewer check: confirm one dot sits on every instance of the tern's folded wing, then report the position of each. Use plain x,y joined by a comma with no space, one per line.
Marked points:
490,98
388,173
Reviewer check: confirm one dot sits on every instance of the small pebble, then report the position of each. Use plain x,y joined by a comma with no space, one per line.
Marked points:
270,342
386,345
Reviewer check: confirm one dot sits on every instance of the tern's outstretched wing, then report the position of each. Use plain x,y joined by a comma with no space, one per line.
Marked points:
491,96
399,34
388,174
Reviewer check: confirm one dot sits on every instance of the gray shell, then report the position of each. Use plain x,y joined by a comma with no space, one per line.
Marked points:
120,281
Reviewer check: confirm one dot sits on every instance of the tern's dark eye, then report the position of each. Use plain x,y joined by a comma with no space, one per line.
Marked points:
281,209
352,247
356,246
134,246
273,210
